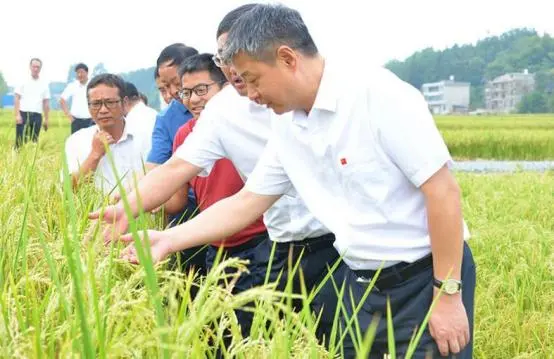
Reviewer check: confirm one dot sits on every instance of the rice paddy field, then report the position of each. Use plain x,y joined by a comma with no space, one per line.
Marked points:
64,294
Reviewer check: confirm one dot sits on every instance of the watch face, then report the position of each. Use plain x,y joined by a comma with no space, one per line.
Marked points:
450,287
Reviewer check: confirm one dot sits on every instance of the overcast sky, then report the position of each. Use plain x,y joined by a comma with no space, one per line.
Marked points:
128,35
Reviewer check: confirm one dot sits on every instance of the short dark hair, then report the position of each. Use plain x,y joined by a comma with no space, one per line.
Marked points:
232,16
109,80
202,62
144,98
175,54
131,91
81,66
156,73
35,59
261,29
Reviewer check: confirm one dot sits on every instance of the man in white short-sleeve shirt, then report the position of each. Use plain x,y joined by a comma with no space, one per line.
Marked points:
128,144
364,141
31,102
79,115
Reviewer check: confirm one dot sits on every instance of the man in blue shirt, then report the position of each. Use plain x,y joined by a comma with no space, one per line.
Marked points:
168,122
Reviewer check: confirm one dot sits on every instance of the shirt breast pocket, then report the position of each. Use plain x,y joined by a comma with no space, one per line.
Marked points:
363,181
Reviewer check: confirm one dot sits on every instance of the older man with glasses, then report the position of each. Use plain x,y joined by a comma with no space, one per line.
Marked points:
127,143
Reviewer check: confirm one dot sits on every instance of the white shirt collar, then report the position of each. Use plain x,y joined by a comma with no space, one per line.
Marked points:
327,96
129,131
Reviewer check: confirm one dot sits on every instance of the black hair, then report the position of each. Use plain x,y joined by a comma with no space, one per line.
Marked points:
232,17
143,98
202,62
131,91
109,80
156,73
81,66
175,54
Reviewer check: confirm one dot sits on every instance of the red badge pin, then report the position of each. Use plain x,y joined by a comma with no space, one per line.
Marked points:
343,161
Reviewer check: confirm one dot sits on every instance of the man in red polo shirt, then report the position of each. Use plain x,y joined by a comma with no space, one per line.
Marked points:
201,79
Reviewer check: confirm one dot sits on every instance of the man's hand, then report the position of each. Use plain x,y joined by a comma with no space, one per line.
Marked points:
45,124
100,141
18,118
115,220
448,324
160,246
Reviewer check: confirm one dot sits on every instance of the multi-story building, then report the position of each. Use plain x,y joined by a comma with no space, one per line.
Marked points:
447,96
504,93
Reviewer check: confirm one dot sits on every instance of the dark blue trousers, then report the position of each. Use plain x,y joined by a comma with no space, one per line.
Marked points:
410,301
314,254
79,123
29,129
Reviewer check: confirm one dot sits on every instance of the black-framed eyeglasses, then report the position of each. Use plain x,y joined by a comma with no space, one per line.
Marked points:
110,103
218,61
199,90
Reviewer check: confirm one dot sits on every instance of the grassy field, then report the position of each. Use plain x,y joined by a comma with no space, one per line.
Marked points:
62,296
513,137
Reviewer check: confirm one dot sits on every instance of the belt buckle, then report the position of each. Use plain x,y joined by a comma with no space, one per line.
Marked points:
364,280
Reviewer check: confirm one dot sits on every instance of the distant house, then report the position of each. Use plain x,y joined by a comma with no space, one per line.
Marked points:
503,94
448,96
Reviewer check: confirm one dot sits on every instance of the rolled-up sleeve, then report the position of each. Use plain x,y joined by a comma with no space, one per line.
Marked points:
203,146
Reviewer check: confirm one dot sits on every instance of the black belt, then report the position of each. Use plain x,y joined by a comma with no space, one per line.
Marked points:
251,243
309,245
396,274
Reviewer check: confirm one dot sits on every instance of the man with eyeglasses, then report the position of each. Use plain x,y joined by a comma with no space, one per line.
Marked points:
128,144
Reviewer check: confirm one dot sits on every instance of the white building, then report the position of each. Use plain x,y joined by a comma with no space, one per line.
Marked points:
447,96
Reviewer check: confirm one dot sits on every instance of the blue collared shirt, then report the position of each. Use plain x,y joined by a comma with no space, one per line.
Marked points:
167,124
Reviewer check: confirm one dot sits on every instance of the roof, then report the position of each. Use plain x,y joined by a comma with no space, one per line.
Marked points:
447,83
513,76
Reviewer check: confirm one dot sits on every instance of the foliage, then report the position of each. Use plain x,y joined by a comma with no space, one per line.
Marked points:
512,51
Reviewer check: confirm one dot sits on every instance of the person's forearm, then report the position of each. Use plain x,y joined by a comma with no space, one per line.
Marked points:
445,221
221,220
45,109
160,184
17,105
87,168
177,202
64,107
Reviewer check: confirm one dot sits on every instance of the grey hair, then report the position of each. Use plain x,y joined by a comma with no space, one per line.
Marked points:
259,31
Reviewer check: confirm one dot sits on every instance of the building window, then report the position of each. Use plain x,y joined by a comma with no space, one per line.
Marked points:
434,98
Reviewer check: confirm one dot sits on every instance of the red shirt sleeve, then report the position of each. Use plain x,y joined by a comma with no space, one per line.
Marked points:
182,133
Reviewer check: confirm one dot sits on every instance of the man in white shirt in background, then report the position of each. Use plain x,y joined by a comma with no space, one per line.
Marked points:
128,144
136,111
79,116
31,101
